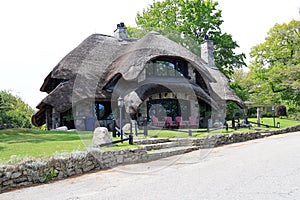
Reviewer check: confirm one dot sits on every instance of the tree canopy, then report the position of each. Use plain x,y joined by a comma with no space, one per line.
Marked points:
274,75
14,111
195,19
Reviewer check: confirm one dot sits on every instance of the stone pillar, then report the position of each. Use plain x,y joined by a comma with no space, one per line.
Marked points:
55,119
82,110
219,115
48,117
194,107
258,110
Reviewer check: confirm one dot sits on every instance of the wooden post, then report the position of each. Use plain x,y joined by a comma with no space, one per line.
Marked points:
114,129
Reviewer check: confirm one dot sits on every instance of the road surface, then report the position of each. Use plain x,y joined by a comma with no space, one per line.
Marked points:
266,168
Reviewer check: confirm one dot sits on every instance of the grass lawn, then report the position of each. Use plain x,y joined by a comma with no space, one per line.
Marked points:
284,123
38,143
16,144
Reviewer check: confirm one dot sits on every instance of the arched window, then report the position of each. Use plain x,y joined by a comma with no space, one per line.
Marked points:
168,67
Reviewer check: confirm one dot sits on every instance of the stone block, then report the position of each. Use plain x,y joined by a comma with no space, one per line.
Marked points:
16,175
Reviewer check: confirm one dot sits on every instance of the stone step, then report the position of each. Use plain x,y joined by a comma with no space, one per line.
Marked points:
149,147
167,152
139,141
183,141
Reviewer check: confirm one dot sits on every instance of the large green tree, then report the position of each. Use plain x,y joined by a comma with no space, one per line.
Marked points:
14,111
195,19
275,68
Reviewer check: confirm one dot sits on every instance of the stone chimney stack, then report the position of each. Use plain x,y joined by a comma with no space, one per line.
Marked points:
207,52
121,31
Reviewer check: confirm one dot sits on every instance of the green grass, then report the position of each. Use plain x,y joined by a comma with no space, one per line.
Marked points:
36,143
16,144
20,143
284,122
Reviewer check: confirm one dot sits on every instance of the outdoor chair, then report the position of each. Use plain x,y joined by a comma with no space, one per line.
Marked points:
169,123
180,122
193,122
155,122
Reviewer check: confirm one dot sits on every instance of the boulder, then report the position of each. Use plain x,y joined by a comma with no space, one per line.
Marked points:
101,136
126,127
62,128
132,102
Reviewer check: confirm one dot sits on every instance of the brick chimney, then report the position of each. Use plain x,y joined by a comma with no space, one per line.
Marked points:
121,31
207,53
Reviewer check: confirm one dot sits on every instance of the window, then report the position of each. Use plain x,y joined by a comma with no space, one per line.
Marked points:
168,107
167,67
99,110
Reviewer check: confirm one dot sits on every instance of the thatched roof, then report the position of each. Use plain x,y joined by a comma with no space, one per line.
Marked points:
221,87
85,71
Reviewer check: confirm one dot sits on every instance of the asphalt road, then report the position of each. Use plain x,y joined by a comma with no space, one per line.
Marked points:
267,168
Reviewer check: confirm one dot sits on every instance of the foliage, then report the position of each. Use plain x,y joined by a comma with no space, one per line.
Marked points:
232,110
14,111
195,19
240,83
275,68
50,175
281,111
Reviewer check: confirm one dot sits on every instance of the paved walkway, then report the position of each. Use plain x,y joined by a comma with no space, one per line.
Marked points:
260,169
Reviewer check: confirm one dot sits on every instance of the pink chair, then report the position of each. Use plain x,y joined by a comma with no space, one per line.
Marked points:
193,122
180,122
169,123
155,122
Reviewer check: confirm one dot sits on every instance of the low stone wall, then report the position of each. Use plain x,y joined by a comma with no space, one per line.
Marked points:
219,140
40,171
65,165
215,140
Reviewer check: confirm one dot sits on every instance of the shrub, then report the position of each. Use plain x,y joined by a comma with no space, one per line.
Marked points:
280,111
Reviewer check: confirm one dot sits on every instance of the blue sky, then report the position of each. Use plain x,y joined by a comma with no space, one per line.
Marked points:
35,35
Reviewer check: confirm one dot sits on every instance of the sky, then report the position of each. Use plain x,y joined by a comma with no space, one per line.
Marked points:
35,35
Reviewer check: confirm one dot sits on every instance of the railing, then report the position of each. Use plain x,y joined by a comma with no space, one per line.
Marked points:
117,131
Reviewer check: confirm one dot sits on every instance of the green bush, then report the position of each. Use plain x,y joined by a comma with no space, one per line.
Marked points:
14,112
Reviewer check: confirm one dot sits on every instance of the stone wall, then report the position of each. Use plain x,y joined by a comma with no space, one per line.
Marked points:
224,139
40,171
65,165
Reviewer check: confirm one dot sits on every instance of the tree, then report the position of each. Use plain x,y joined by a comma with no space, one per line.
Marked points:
195,19
275,68
14,111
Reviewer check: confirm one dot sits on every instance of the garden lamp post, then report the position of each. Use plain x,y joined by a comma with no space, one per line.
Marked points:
273,111
120,105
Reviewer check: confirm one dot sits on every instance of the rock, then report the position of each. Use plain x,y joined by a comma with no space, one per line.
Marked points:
62,128
16,175
126,127
132,102
72,130
101,136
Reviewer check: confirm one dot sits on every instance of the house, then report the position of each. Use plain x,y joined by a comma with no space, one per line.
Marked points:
154,75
